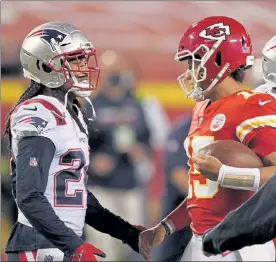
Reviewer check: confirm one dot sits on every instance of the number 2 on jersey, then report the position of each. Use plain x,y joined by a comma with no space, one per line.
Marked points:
203,188
68,183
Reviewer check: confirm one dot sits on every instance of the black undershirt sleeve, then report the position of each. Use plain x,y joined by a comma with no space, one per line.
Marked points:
31,182
106,222
252,223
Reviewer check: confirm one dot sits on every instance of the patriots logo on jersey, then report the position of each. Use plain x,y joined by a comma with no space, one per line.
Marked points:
48,35
38,122
33,162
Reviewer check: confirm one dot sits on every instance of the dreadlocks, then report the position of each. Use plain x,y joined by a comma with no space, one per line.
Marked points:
33,90
37,89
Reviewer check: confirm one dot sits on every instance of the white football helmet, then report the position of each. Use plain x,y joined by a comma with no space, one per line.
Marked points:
46,52
269,60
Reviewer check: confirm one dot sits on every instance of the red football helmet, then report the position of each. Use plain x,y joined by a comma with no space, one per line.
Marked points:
217,46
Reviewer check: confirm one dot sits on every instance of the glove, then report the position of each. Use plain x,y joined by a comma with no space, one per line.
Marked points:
133,237
86,252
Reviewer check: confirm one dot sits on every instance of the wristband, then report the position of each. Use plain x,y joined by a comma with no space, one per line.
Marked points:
167,228
239,178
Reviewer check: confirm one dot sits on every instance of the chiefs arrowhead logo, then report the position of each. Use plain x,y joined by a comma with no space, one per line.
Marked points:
217,31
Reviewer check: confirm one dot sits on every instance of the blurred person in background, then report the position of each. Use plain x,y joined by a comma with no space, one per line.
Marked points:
8,206
121,163
175,189
9,209
155,114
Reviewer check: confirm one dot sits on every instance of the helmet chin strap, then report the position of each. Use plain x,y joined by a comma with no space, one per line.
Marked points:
85,95
93,110
197,93
86,98
66,100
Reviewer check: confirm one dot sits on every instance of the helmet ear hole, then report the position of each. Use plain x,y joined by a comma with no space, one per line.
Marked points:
218,58
46,68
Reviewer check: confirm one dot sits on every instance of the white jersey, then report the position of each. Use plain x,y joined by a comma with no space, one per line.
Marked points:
66,188
268,87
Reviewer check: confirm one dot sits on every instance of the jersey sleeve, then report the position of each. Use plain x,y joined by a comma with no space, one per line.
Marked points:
31,183
36,117
106,222
257,123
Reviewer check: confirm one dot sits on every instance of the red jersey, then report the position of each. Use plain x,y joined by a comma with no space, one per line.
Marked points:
237,117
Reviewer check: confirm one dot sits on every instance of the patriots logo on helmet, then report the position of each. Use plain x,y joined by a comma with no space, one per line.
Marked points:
48,35
38,122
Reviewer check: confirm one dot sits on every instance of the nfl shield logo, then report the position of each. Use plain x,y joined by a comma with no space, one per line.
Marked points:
33,161
48,258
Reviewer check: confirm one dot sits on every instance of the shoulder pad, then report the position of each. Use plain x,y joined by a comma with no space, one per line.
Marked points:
34,117
259,110
262,89
257,98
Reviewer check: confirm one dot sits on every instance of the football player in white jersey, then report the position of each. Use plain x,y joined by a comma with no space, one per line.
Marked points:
48,132
261,206
269,68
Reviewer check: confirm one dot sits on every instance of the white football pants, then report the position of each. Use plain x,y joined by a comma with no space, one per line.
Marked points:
264,252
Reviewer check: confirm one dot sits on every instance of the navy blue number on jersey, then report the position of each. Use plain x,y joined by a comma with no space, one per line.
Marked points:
64,182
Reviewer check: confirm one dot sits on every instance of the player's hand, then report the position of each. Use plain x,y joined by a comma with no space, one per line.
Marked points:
149,239
208,247
133,238
87,252
207,165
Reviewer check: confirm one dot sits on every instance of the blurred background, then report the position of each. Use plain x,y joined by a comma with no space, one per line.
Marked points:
136,43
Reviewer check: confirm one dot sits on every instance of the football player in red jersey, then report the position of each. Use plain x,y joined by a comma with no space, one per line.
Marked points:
234,233
218,50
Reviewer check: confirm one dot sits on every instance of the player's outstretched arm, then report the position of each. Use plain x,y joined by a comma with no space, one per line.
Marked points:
176,220
31,182
252,223
106,222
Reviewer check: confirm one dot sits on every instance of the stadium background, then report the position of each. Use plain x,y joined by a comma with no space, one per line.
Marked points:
145,34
